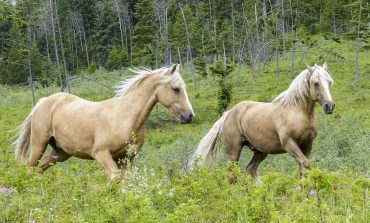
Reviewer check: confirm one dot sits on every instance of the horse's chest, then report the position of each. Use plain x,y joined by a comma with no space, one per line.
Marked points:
306,134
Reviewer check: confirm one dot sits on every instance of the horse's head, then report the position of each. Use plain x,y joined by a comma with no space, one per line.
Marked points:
172,94
320,83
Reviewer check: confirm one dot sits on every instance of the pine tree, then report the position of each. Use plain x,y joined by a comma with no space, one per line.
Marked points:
145,33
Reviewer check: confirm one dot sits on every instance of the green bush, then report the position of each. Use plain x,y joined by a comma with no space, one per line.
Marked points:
117,58
222,70
92,68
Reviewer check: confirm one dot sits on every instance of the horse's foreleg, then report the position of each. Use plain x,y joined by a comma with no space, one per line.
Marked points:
105,159
252,166
122,164
293,149
306,151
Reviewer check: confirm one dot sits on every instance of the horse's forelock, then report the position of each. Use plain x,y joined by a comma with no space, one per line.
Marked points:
321,72
172,79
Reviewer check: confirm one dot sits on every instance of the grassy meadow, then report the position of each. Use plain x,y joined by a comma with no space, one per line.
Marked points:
155,190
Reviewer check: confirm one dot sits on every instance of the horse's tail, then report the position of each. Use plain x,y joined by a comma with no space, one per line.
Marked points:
24,137
207,147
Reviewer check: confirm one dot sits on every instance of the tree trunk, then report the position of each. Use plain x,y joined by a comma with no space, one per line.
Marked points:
334,23
189,48
55,43
233,30
29,65
47,40
257,37
62,49
277,44
283,28
119,21
84,38
358,44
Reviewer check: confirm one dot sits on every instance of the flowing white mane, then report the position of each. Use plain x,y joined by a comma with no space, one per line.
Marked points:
127,85
298,90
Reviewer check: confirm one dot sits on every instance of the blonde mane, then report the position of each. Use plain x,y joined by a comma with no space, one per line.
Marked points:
298,91
127,85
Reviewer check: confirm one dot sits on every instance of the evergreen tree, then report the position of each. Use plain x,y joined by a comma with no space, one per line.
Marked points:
145,33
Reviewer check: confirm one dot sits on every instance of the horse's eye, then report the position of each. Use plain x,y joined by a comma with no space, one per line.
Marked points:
176,89
316,84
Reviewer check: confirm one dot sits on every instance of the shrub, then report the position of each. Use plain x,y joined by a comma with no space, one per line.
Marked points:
117,58
222,70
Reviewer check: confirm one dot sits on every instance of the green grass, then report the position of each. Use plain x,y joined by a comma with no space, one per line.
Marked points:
336,190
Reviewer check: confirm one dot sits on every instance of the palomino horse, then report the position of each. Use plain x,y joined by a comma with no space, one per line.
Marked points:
101,130
287,124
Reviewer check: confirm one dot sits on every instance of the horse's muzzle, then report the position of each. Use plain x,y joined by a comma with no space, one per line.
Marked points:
184,119
328,107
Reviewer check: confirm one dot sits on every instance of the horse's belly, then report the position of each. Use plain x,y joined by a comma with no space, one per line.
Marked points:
264,141
74,149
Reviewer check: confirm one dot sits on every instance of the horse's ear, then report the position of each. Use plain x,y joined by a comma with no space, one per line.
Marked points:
309,69
325,66
174,68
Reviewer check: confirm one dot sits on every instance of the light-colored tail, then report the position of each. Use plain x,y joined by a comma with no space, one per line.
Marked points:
207,147
24,137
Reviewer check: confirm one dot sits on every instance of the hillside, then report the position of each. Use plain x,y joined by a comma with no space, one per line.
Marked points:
337,189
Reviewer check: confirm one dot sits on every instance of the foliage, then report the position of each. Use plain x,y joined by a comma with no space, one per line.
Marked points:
222,69
117,58
200,66
93,67
152,33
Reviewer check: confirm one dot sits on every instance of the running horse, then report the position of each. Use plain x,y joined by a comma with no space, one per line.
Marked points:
73,126
287,124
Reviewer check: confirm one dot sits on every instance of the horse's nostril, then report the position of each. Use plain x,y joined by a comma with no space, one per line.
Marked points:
191,116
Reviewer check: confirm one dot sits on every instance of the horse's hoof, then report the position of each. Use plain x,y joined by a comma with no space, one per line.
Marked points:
232,179
259,181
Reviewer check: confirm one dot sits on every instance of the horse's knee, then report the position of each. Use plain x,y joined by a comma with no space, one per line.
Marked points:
306,163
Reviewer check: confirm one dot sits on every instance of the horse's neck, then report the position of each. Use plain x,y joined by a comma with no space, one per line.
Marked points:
140,103
308,108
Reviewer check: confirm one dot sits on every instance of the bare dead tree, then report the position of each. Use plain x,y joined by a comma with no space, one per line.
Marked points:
55,42
45,29
233,30
61,45
30,76
334,22
358,43
128,25
120,22
283,29
277,44
189,47
75,48
257,37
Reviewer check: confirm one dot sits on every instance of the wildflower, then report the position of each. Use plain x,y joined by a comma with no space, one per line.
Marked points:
312,193
123,191
6,190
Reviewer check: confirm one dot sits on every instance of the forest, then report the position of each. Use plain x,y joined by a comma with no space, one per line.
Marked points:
229,51
49,42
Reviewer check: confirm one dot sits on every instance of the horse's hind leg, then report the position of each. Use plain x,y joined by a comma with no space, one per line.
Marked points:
38,144
252,166
55,155
233,148
40,135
